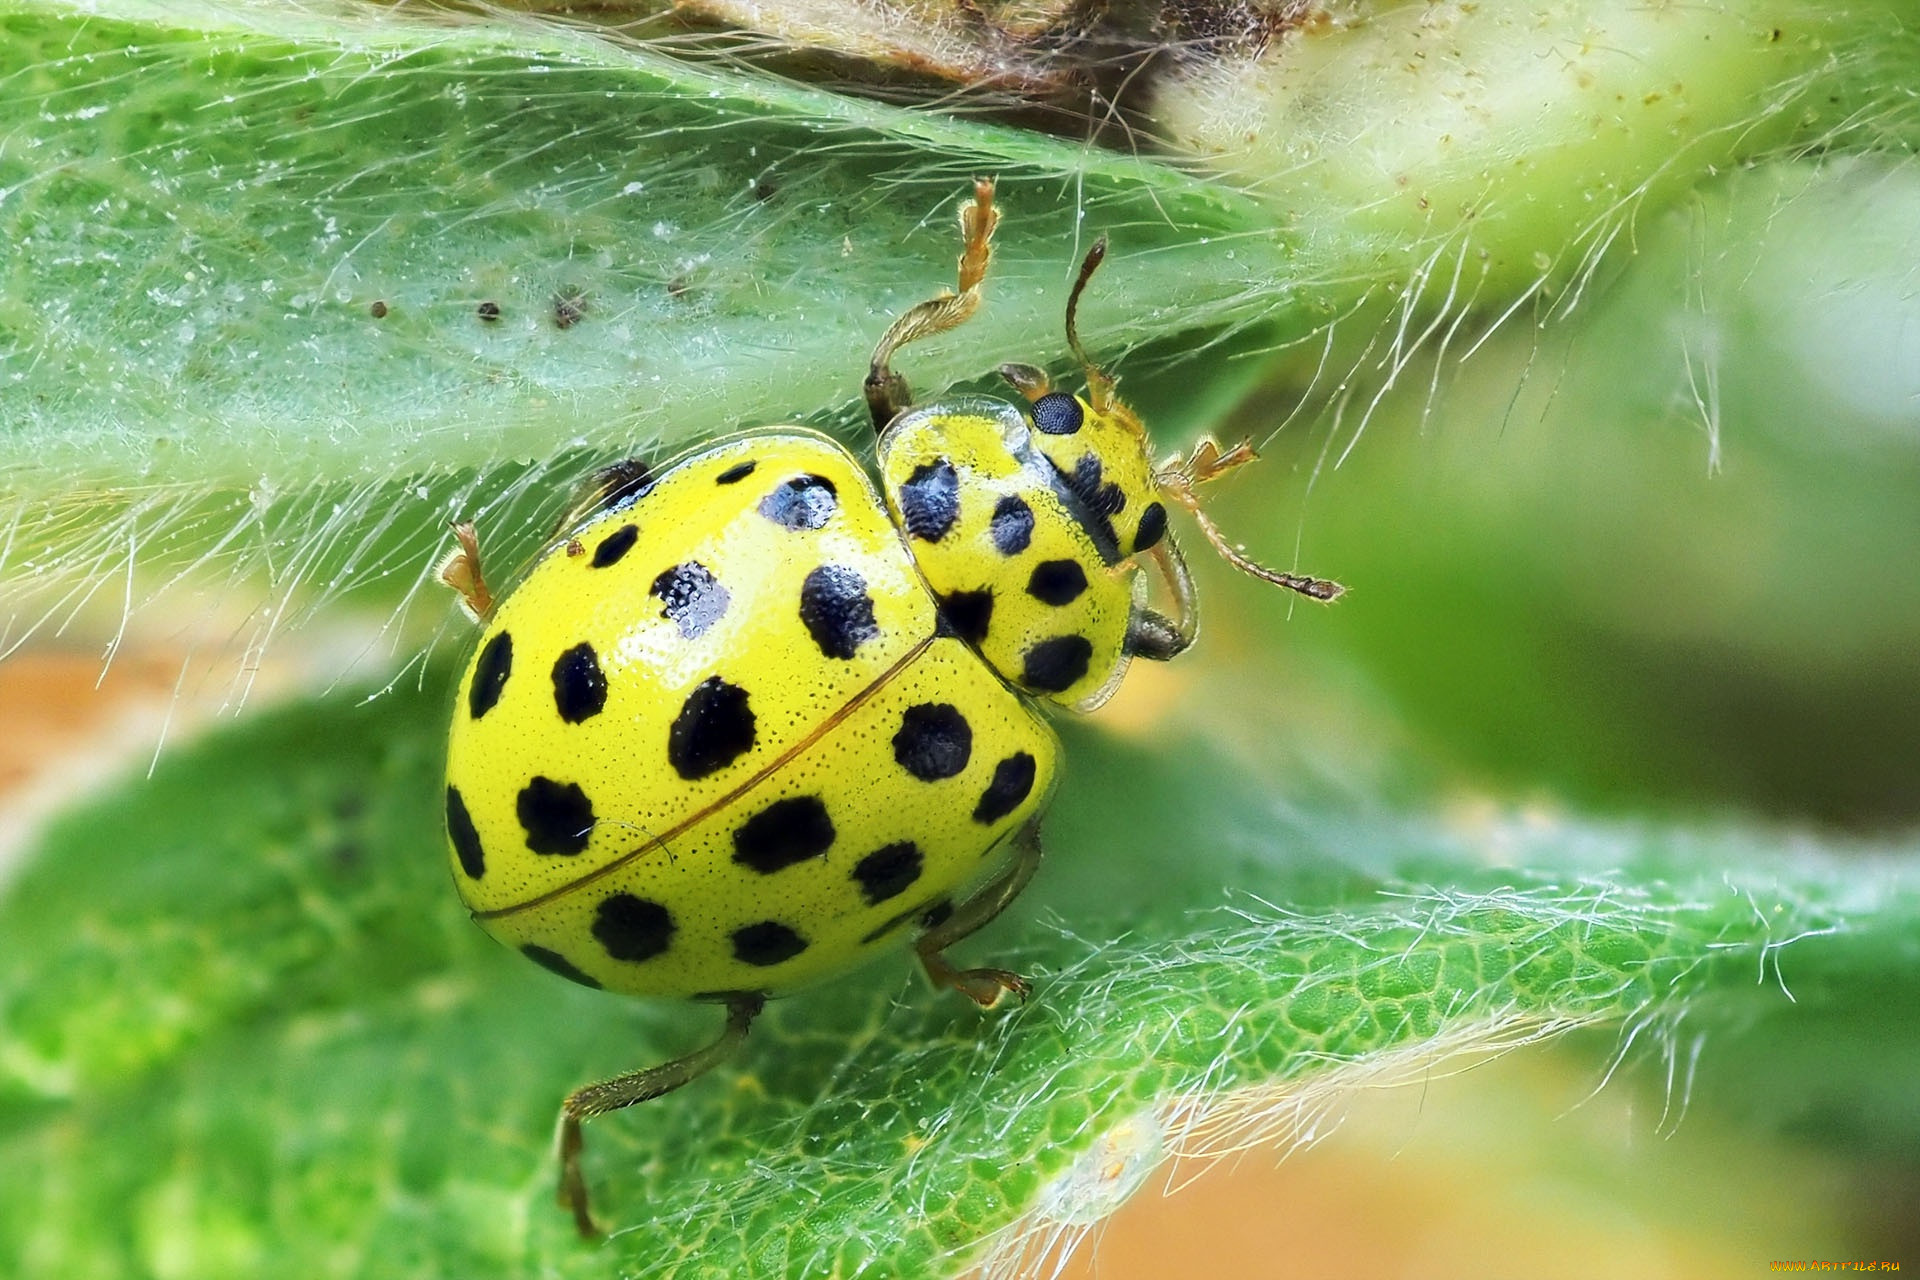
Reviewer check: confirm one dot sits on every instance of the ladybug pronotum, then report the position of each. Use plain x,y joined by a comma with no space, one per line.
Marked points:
753,719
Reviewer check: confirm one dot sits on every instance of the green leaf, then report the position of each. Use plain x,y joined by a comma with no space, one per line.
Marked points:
205,203
247,1031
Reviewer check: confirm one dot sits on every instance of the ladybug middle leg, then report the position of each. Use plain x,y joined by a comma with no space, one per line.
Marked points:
982,986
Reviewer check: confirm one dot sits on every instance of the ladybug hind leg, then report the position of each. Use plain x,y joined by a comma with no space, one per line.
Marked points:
640,1086
982,986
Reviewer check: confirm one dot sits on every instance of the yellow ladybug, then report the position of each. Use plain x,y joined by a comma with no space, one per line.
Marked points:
750,721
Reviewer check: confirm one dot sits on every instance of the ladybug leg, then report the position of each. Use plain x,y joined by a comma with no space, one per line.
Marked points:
1152,634
608,487
982,986
1208,461
460,569
887,391
624,1091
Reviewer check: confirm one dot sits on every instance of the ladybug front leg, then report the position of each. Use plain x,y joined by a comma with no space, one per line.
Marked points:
982,986
1152,634
887,391
640,1086
460,569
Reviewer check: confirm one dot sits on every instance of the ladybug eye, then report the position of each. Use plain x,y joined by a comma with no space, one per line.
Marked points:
1057,414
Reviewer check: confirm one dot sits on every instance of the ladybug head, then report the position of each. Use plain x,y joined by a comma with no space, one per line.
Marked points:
1101,448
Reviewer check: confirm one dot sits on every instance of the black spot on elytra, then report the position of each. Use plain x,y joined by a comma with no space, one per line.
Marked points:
736,473
554,962
969,613
557,816
632,928
1057,414
1152,528
1056,663
1012,783
804,502
934,741
490,672
837,610
930,500
715,727
1012,527
766,943
466,840
690,597
579,686
937,914
783,833
1057,582
614,545
889,872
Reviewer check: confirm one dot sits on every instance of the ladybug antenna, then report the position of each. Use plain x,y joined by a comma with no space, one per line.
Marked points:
1207,462
1099,384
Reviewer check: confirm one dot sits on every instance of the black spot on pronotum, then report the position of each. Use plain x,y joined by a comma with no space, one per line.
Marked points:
1102,496
766,943
1057,582
466,840
736,473
631,928
557,816
782,834
930,500
1057,414
490,672
969,613
837,610
554,962
804,502
1152,528
1012,783
579,687
715,727
1012,527
1093,500
690,597
934,741
614,545
1056,664
889,871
